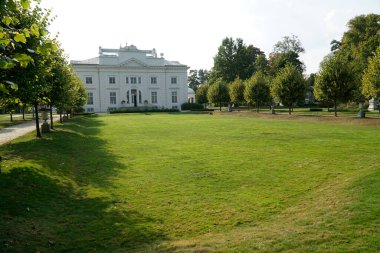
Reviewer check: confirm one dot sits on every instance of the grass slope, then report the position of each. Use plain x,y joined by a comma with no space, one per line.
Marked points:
193,183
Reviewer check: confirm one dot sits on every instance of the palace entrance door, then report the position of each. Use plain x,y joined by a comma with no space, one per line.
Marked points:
134,97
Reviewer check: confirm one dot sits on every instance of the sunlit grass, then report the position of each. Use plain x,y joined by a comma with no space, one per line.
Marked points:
202,183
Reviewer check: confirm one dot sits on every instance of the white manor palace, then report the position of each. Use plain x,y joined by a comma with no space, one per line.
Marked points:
129,77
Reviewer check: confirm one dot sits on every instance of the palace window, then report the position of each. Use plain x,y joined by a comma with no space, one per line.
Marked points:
112,80
139,79
174,80
88,79
133,80
174,97
154,97
90,98
127,80
153,80
127,97
140,98
113,98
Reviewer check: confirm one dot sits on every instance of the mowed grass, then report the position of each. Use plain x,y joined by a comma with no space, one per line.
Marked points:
192,183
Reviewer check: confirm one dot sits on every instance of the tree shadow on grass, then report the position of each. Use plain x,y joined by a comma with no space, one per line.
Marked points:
74,151
39,213
45,204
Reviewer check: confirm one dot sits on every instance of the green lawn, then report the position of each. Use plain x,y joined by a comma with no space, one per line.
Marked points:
192,183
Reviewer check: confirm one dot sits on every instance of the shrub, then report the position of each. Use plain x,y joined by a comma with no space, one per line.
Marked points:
191,106
140,110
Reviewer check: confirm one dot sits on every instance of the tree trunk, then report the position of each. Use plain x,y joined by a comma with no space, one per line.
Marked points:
60,117
335,110
37,121
220,106
51,117
290,109
23,112
10,113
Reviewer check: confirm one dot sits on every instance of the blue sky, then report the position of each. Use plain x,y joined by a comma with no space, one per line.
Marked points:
191,31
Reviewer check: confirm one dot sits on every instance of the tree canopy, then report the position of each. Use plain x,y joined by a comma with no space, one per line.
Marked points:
371,77
335,81
235,60
236,91
218,93
26,47
289,87
257,90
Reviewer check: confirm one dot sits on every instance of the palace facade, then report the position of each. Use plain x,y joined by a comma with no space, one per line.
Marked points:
128,77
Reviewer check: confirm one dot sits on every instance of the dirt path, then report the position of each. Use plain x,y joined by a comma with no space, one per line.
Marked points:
13,132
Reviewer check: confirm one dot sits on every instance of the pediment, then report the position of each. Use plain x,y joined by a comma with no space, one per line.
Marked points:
133,62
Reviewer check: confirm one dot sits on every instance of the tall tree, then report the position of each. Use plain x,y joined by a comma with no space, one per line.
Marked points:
193,80
289,44
262,64
236,91
235,59
203,76
361,40
371,78
218,93
289,87
32,83
286,52
257,90
335,81
197,78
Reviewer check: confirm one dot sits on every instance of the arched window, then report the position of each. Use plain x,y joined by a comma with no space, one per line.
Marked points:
140,97
127,97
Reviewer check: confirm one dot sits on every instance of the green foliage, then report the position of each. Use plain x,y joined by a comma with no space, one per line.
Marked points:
24,39
278,61
289,44
235,60
236,91
201,94
335,81
218,93
192,106
286,52
361,40
289,87
371,77
14,35
197,78
257,90
262,64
